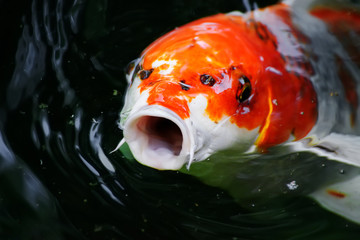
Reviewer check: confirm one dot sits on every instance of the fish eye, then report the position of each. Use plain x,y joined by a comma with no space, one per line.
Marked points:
144,74
207,80
244,89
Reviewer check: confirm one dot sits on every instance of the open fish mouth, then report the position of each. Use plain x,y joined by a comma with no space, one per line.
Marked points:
159,138
162,134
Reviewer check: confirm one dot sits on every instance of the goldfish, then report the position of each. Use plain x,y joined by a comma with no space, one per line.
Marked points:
285,75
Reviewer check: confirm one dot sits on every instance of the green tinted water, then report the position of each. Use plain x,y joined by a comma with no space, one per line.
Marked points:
62,86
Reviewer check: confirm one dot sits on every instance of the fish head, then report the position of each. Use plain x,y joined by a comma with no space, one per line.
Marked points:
197,90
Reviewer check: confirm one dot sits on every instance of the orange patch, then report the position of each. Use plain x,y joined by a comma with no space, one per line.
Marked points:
336,194
226,48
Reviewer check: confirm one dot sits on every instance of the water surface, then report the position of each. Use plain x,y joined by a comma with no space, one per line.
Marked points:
62,85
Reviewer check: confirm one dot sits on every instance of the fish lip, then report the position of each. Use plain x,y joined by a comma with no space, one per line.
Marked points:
141,141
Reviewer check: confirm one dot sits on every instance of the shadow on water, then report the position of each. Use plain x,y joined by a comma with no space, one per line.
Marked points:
62,85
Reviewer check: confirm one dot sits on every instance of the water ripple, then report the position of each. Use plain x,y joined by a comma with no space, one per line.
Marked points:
59,125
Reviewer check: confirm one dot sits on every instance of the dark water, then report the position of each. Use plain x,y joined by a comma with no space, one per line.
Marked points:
61,89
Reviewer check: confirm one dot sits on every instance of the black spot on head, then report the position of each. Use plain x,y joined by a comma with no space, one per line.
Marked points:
144,74
133,68
244,89
260,29
207,80
130,67
184,86
138,68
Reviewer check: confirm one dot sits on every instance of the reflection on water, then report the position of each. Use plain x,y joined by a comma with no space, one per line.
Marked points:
63,89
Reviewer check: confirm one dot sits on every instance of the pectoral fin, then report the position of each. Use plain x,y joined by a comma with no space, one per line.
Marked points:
338,147
341,198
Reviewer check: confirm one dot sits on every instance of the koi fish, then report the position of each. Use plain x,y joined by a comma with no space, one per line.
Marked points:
286,75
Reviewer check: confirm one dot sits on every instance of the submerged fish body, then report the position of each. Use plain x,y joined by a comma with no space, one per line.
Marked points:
283,76
287,73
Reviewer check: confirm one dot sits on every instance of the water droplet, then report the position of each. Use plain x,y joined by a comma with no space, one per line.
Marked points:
341,171
292,185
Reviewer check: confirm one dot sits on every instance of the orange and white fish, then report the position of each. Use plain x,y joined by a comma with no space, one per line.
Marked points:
288,74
